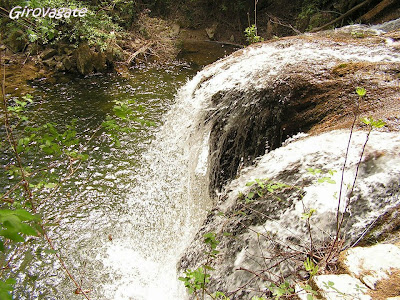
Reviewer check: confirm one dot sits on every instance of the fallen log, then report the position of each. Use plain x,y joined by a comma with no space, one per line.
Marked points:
369,16
345,15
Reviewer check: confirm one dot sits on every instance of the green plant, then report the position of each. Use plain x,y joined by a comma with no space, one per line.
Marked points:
284,289
311,293
372,124
196,281
251,35
322,176
220,295
97,27
310,267
263,186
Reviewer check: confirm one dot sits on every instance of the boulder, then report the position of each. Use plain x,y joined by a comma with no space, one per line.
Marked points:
341,287
83,56
48,53
99,61
280,112
16,41
211,31
50,63
372,264
89,60
68,63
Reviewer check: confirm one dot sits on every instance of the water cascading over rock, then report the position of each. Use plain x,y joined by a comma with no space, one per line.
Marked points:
258,98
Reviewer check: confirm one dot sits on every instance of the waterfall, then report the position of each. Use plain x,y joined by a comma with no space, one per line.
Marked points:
166,203
262,95
169,197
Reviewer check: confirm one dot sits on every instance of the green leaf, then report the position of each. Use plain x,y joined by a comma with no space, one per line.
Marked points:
28,230
28,98
12,235
10,281
50,185
361,91
49,251
25,215
182,278
12,222
122,111
209,268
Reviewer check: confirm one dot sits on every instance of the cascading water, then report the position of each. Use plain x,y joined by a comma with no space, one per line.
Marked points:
166,205
257,98
126,244
123,222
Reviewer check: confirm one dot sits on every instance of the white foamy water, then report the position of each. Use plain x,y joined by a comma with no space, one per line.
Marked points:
168,199
166,203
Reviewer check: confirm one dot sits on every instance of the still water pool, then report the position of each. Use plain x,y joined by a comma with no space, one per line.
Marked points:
118,218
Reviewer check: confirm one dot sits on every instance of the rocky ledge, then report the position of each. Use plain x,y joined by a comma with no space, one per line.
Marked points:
277,119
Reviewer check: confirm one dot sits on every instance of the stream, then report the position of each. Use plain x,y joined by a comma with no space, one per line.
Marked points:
124,219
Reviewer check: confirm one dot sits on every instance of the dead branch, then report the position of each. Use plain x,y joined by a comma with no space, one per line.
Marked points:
376,10
278,21
142,49
345,15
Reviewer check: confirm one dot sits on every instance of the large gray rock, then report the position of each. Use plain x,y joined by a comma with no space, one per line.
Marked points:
372,264
254,100
341,287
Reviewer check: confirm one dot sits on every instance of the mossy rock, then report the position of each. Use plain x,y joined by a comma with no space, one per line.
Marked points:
84,61
17,41
99,61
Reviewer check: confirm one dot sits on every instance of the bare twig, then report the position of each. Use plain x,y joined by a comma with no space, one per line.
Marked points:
278,21
25,183
142,49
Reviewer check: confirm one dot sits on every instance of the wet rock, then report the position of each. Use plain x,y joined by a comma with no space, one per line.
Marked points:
34,49
50,63
84,61
388,26
296,100
175,29
88,60
48,53
270,227
99,61
65,49
16,41
341,287
372,264
68,64
211,31
254,100
60,66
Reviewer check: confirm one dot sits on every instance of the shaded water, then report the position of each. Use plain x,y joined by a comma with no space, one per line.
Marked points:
123,219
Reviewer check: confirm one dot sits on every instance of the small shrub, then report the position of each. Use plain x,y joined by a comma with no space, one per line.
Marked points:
251,35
